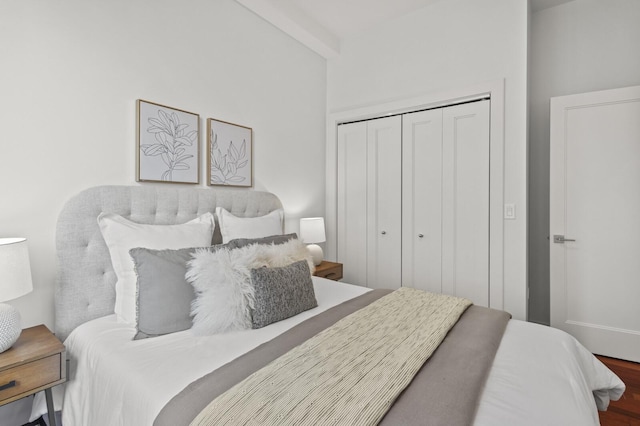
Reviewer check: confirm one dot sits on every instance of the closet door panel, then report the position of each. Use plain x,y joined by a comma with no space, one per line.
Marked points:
422,200
465,224
384,158
352,201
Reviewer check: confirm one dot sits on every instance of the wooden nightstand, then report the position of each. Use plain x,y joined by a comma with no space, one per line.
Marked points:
329,270
35,362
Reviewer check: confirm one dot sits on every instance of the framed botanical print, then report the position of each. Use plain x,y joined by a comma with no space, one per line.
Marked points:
168,144
230,154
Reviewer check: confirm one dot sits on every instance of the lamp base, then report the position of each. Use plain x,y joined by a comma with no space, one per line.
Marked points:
10,328
316,253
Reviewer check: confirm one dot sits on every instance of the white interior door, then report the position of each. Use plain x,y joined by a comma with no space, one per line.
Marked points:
384,157
595,200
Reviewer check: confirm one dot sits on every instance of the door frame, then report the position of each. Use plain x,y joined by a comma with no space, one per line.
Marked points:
495,91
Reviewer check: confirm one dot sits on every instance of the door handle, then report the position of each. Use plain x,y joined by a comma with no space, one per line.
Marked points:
560,239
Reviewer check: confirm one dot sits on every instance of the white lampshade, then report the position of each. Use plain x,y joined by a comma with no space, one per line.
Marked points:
15,281
15,269
311,232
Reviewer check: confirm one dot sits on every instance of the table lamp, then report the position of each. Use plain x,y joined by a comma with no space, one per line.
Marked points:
312,232
15,281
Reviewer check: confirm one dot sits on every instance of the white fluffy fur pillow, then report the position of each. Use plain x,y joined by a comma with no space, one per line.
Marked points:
222,283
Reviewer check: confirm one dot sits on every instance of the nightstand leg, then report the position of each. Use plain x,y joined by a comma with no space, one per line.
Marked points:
50,409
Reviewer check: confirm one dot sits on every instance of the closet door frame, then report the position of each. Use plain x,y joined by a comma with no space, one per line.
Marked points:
494,91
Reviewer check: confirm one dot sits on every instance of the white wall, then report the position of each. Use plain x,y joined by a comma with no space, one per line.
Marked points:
445,47
71,72
581,46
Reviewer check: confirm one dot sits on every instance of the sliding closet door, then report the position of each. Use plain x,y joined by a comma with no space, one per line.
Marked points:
384,193
445,205
413,201
465,201
421,200
369,202
352,202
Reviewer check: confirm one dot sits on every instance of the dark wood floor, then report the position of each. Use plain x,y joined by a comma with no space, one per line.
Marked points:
626,411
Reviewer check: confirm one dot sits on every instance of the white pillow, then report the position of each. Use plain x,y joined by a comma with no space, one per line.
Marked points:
222,282
232,227
121,235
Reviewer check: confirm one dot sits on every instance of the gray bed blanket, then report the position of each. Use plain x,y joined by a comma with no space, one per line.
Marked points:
445,391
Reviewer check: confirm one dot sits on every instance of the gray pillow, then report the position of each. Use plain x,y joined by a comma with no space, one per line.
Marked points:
281,293
273,239
164,299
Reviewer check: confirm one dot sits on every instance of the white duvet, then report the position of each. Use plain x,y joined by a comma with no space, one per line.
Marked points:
540,375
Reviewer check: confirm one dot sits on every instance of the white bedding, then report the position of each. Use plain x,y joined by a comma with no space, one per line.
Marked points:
540,375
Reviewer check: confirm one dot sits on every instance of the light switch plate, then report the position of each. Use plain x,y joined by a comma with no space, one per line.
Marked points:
509,211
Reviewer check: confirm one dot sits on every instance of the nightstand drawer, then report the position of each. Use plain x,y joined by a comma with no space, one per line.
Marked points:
329,270
29,376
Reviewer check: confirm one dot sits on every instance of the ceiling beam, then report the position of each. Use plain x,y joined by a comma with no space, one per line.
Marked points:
297,24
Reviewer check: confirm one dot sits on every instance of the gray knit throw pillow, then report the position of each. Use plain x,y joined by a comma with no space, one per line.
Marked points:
281,293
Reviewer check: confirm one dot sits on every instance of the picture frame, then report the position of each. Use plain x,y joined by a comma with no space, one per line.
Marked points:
167,144
229,154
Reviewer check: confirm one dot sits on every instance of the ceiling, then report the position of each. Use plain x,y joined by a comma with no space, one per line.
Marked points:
322,24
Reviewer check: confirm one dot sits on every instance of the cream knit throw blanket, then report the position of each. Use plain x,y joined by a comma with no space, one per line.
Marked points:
350,373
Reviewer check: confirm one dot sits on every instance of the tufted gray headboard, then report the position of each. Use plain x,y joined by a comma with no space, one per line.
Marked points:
85,285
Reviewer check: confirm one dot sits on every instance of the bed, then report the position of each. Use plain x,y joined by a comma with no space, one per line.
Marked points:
535,374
